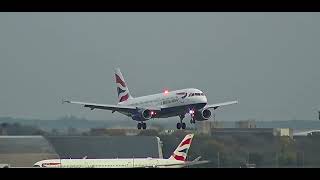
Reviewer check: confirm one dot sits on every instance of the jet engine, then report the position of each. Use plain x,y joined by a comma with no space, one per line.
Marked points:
142,115
202,115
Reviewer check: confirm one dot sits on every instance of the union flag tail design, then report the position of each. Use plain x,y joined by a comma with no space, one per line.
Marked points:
122,88
181,152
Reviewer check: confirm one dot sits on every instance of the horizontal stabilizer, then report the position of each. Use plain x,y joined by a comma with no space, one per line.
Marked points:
187,163
197,159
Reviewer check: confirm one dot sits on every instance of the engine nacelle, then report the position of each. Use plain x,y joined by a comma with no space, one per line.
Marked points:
142,115
202,115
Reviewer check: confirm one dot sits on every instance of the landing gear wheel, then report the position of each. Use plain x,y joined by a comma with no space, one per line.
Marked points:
139,126
191,121
183,125
178,125
144,126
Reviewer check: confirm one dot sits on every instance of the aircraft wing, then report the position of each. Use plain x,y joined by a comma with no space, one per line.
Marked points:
120,108
305,133
215,106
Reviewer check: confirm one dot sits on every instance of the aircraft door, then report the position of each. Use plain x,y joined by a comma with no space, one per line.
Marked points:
182,97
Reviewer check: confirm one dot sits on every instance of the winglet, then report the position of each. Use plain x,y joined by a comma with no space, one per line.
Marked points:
65,101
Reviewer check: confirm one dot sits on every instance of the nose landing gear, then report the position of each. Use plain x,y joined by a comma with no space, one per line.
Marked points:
192,121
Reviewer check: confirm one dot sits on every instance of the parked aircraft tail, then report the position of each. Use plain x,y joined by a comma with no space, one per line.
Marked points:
181,151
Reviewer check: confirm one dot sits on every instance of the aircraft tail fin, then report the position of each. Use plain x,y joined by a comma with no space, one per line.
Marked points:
122,88
181,151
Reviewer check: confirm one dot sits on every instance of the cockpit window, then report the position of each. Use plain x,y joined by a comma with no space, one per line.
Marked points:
196,94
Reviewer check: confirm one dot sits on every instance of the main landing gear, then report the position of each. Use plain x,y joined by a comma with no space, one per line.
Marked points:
181,125
142,125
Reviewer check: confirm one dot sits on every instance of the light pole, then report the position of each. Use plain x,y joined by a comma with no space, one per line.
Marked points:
302,159
218,160
277,160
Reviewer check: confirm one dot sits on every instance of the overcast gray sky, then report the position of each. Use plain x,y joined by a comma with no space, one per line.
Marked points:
268,61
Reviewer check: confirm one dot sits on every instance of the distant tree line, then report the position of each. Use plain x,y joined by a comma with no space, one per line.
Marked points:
18,129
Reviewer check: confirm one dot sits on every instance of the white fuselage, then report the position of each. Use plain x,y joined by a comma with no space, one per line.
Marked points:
189,101
172,103
108,163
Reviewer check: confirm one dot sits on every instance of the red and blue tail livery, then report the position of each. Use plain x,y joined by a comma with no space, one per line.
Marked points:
181,152
122,89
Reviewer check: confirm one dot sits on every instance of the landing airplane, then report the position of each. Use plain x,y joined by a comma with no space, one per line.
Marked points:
162,105
176,160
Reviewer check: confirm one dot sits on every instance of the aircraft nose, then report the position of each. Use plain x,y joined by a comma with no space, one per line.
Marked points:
204,99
